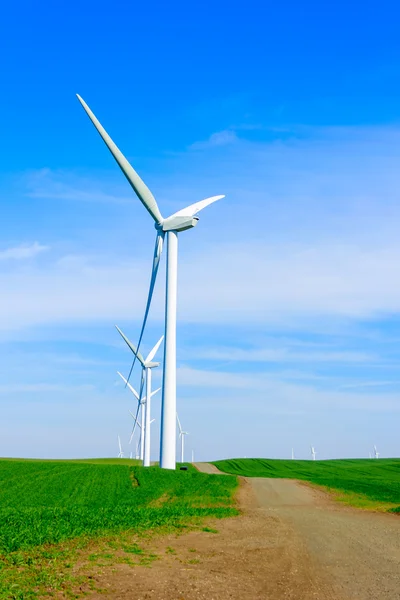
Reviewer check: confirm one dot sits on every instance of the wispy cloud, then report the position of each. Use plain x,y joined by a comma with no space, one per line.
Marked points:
23,251
367,384
280,355
63,185
20,388
219,138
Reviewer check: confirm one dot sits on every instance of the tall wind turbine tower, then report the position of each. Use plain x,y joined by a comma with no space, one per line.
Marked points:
170,227
376,453
313,453
292,453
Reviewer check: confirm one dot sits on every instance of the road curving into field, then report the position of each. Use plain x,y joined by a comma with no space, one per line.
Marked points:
347,554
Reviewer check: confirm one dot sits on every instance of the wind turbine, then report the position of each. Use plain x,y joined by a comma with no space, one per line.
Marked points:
292,453
121,454
376,453
136,422
182,436
147,365
170,227
313,453
141,404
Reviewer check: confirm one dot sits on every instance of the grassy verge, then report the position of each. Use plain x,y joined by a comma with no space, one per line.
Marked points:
51,512
369,484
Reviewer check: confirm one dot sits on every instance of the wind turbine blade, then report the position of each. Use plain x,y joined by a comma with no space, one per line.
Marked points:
129,386
179,423
193,209
139,187
156,262
134,425
152,421
155,392
135,419
131,346
152,353
141,399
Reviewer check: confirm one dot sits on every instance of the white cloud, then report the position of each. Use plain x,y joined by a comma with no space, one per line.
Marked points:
22,252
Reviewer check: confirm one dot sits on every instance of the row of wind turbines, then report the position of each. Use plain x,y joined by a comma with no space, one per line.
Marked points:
142,418
166,228
314,454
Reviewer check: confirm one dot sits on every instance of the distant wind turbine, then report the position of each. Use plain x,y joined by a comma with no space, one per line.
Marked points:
182,436
313,453
376,453
170,227
292,454
147,366
141,405
141,437
121,454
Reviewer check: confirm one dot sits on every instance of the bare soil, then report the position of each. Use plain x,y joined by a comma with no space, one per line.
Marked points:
290,542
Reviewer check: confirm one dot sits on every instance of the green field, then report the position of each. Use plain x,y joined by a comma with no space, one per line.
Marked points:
363,482
45,504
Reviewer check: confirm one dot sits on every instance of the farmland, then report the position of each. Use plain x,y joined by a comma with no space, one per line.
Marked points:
363,483
45,503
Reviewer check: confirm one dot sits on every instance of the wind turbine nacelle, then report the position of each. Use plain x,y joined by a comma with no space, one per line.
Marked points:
179,223
151,365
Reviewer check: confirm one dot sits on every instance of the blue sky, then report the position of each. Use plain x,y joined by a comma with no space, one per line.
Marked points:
289,293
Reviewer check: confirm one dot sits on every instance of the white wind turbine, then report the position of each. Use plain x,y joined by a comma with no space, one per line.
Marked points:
136,422
180,221
121,454
141,408
147,365
182,436
376,453
292,453
313,453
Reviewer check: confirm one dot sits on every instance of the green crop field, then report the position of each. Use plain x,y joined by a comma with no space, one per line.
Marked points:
45,503
364,483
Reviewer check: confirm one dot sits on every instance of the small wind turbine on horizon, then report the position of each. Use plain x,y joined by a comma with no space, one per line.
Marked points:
313,453
182,436
170,227
147,365
292,453
376,453
121,454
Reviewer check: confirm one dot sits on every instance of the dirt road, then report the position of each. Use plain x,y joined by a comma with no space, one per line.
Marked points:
357,551
290,543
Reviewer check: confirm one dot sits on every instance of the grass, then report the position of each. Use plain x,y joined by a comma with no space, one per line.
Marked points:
51,510
373,484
